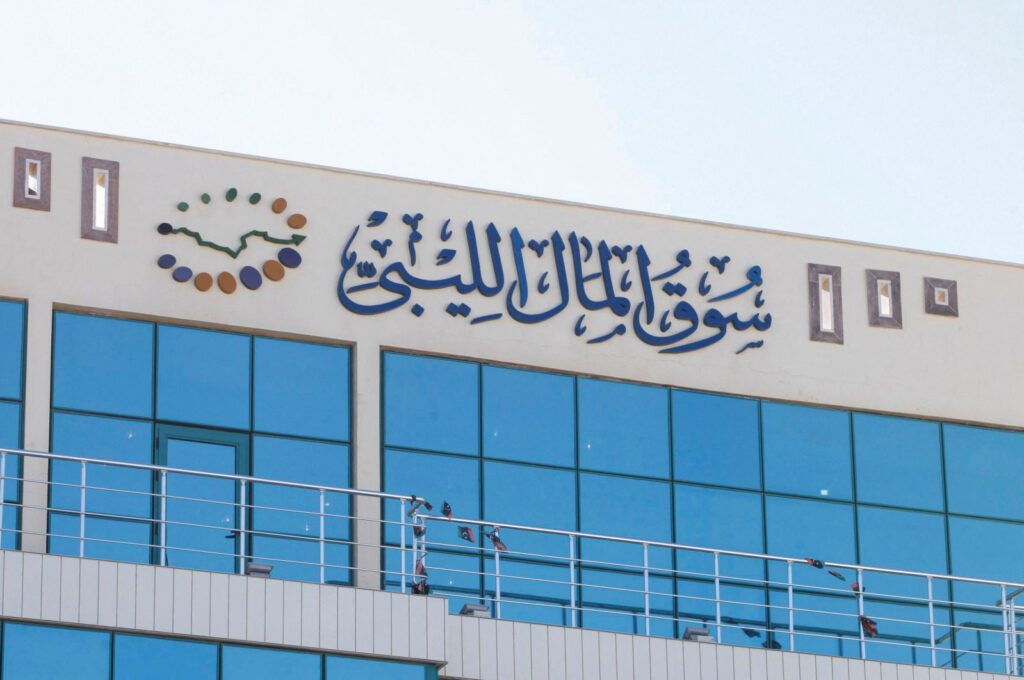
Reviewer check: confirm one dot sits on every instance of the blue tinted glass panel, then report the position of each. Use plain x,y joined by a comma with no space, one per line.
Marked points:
255,663
452,575
980,632
716,439
620,596
897,539
623,428
899,461
10,437
116,439
538,593
103,365
201,515
154,658
542,497
806,450
203,377
12,348
529,416
105,539
431,404
45,653
438,479
351,668
715,518
622,507
983,468
301,389
984,549
296,511
742,608
816,529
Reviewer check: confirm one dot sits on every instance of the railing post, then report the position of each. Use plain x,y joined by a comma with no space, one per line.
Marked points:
1012,613
402,555
81,514
860,612
242,526
931,622
1007,642
322,567
789,593
497,584
572,580
647,593
163,518
3,489
718,601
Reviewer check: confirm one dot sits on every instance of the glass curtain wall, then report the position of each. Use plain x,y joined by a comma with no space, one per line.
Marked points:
12,389
206,400
552,450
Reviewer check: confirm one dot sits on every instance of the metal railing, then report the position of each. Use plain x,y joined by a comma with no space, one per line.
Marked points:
145,513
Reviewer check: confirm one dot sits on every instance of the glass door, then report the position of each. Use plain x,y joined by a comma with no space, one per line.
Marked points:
202,527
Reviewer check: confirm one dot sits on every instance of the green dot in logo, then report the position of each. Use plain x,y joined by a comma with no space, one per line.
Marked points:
183,206
255,198
205,198
232,194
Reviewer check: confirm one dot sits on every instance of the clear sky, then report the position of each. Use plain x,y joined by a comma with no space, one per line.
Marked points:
890,121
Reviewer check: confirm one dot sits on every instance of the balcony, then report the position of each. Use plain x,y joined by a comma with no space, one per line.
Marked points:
212,522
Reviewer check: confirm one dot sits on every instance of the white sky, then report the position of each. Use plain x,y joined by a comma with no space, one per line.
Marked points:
891,121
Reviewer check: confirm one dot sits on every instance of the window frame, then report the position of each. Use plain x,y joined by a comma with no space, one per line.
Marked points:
22,158
90,167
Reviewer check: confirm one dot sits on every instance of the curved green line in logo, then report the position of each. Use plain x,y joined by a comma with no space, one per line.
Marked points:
295,239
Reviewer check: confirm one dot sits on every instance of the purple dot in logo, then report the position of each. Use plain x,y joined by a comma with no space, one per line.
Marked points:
164,228
250,278
289,257
182,274
166,261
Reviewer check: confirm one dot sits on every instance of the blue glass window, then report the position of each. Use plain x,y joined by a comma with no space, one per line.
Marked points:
628,508
257,663
352,668
623,428
301,389
983,468
10,437
804,528
986,549
522,494
103,365
431,404
716,439
898,539
807,451
47,652
614,601
899,461
296,511
529,416
538,593
153,658
437,478
203,377
716,518
126,493
12,348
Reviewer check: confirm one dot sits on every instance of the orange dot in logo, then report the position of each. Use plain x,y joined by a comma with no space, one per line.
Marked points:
227,282
278,206
203,281
273,270
297,221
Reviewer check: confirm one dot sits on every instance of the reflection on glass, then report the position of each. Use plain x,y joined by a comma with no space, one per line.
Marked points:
260,663
716,439
523,494
12,348
817,529
44,652
806,450
153,658
899,461
201,534
99,199
983,470
431,404
529,416
623,428
33,178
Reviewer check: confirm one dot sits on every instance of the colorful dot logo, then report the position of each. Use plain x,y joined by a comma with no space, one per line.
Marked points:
250,277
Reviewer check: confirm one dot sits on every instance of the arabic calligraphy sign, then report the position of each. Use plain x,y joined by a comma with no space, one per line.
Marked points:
675,307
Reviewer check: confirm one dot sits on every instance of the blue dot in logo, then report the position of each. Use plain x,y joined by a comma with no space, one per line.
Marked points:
289,257
166,261
250,277
164,228
182,274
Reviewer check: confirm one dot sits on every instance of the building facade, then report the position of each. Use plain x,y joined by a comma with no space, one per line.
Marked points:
649,447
